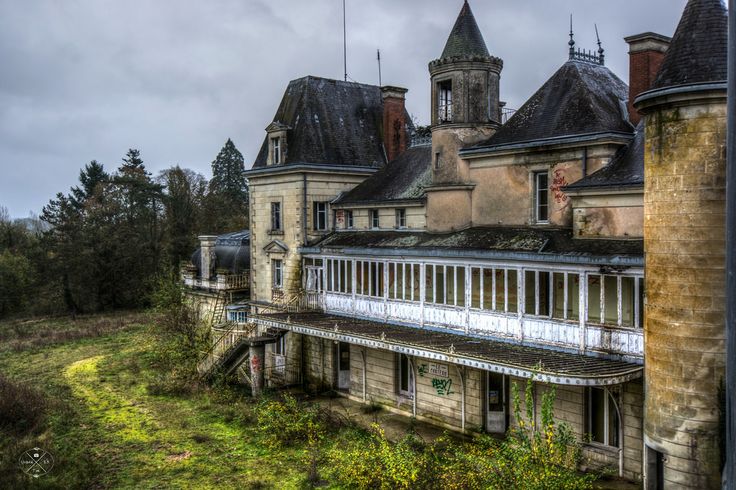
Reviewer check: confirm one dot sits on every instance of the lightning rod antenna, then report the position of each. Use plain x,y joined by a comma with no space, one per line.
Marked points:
344,42
378,53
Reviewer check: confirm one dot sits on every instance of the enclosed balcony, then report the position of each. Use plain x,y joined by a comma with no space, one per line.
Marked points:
221,263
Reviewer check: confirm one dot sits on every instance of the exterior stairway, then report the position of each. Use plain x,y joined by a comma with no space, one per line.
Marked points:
231,350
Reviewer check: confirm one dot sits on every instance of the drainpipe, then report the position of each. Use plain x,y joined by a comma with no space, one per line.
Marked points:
365,367
304,209
730,470
620,431
460,373
413,387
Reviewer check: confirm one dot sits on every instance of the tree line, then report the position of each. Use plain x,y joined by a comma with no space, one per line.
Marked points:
102,245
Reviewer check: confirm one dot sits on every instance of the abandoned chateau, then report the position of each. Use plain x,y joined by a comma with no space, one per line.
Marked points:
579,240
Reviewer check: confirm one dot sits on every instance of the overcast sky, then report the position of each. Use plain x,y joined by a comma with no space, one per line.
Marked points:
88,79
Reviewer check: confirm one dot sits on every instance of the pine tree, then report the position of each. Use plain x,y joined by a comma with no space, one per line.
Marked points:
90,177
226,206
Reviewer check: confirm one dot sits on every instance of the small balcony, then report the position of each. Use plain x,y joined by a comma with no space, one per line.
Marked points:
223,280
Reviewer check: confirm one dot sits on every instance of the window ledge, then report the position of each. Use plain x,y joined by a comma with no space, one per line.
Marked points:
276,232
597,447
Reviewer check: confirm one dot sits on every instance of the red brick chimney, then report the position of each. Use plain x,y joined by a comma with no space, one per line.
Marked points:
394,121
646,53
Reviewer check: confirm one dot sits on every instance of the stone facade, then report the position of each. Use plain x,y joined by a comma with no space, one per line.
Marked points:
684,232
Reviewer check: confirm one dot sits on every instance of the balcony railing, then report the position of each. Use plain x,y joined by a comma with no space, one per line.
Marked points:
220,282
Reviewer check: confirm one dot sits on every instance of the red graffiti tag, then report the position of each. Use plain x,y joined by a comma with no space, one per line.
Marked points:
558,182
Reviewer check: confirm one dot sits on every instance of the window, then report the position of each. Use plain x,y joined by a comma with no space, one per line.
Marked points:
615,300
446,285
537,293
403,281
369,278
541,197
279,347
405,377
320,216
602,422
277,274
349,224
437,161
275,216
374,218
339,276
444,105
276,151
401,218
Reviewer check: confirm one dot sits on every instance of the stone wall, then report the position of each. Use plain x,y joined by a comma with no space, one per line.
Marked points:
684,239
608,215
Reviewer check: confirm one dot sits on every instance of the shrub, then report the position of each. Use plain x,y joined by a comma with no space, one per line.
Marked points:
22,408
285,422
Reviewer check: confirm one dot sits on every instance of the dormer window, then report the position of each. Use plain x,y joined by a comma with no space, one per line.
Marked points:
276,151
444,103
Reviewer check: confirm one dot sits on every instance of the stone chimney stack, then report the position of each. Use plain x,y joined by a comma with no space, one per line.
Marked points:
646,53
394,121
207,255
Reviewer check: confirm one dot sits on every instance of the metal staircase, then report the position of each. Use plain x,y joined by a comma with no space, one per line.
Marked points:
230,351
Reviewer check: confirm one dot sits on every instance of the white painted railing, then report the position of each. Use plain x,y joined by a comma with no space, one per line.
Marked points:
546,331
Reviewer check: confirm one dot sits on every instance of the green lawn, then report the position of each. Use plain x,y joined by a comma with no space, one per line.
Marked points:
106,431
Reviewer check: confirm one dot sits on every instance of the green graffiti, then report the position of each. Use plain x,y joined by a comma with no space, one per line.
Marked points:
422,368
443,386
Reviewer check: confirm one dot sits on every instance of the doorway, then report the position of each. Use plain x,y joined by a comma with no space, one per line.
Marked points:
496,403
343,366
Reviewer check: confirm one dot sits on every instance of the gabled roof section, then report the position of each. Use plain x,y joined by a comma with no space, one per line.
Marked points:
465,38
580,98
626,170
402,179
330,122
276,246
699,49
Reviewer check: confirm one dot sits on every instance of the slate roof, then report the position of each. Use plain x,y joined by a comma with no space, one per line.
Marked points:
554,363
626,169
404,178
580,98
232,252
330,123
465,39
699,49
538,241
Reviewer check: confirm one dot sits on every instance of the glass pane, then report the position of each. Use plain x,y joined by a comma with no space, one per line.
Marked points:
439,296
559,295
460,286
513,300
475,291
611,291
627,301
612,423
487,289
573,296
500,288
450,281
594,298
529,292
544,293
429,283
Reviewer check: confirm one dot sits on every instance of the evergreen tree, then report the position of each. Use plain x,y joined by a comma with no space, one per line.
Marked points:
226,207
90,177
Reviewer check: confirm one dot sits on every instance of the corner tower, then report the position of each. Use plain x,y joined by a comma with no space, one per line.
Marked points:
465,110
685,245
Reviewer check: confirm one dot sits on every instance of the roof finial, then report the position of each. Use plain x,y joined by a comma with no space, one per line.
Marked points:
571,43
601,58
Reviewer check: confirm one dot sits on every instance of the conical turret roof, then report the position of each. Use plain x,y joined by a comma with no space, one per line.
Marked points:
699,49
465,39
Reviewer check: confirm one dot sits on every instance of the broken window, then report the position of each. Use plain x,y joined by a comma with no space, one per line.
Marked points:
444,103
602,422
275,216
405,376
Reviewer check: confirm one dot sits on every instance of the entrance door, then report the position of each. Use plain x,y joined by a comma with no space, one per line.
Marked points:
343,366
496,403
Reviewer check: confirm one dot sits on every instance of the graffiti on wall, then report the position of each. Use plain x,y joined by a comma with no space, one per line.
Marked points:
441,381
558,182
443,386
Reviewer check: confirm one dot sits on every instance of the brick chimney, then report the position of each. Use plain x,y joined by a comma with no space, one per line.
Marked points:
394,121
646,53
